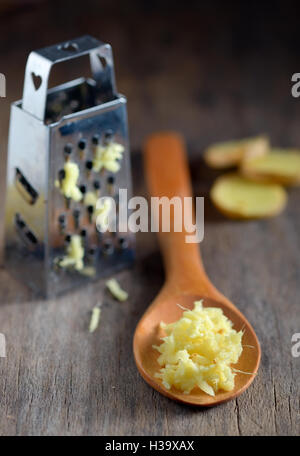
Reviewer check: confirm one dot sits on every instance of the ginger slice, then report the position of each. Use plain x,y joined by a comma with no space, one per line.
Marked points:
238,197
279,166
231,153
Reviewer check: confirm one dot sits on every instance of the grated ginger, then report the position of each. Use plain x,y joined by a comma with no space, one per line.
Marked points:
68,185
198,351
90,199
116,290
75,254
95,319
108,157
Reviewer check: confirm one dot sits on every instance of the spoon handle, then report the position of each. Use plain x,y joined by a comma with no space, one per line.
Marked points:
167,175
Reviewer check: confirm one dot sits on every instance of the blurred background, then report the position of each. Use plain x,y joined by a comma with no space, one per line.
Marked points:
213,70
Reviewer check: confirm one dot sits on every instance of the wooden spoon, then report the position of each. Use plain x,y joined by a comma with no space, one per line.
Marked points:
186,281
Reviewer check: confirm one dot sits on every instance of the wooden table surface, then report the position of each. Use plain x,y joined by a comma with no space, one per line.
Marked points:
211,83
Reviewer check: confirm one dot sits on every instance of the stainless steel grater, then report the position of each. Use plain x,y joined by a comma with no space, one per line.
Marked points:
49,130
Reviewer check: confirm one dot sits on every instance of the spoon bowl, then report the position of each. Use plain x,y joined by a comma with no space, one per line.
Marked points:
186,282
168,310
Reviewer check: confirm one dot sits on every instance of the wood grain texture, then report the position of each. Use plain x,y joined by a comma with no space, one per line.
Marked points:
57,378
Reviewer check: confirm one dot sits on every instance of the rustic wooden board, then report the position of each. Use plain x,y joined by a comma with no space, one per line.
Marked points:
57,378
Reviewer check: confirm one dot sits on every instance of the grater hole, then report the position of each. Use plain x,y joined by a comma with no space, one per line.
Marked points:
36,80
82,144
108,136
95,140
103,61
90,211
82,188
88,167
31,237
62,218
97,185
68,150
19,222
111,184
76,214
108,247
25,188
92,251
123,243
68,239
61,174
83,233
62,222
26,235
68,47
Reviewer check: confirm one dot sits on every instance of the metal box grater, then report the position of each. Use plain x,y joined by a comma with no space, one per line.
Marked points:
48,129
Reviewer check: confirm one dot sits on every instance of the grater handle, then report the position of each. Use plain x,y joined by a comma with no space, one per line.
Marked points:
40,62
